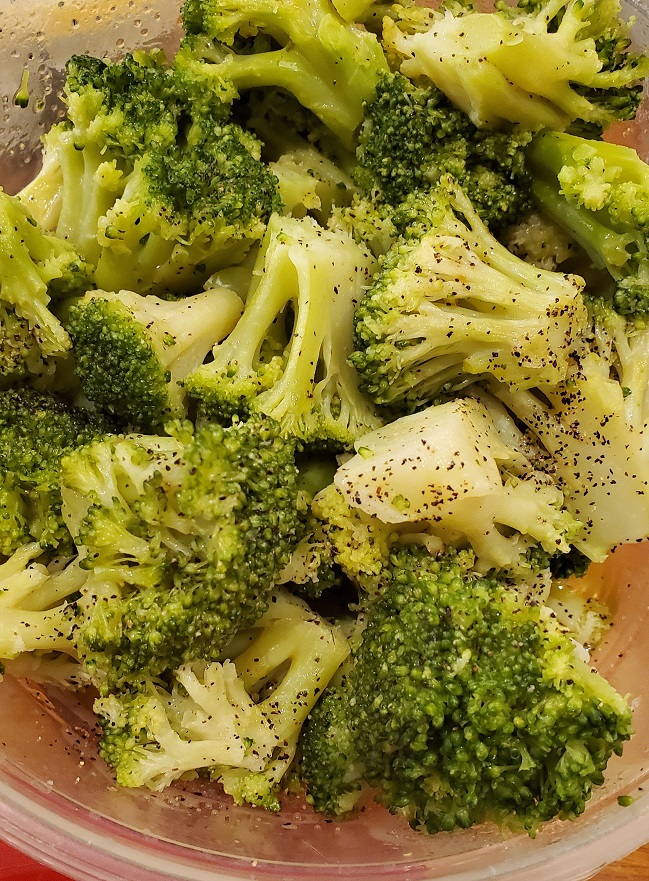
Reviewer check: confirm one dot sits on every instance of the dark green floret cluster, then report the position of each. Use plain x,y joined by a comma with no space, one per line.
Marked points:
462,704
323,380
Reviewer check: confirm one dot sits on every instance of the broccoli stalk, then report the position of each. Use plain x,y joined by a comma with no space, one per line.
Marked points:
36,613
599,194
287,356
449,475
330,66
35,268
185,537
450,304
512,726
211,719
132,353
547,66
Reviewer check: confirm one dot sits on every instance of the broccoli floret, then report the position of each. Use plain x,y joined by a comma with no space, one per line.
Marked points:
239,719
302,46
593,426
368,221
461,705
451,475
35,268
36,431
132,353
158,187
412,135
599,194
185,537
36,609
449,304
543,67
287,356
539,241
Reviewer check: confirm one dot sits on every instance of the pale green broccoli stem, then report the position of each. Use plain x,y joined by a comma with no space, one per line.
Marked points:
500,69
22,285
43,195
34,614
599,458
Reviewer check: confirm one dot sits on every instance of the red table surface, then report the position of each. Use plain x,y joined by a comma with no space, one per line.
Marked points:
15,866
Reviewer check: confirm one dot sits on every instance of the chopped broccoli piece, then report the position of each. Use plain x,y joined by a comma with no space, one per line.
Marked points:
36,612
463,704
132,353
546,65
599,194
239,718
450,304
302,46
539,241
452,473
36,431
287,356
159,189
412,135
35,268
185,537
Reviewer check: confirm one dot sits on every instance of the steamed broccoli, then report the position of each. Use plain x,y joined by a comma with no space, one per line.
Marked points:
412,135
36,431
287,356
239,719
463,704
302,46
159,188
453,475
541,65
599,194
132,353
450,304
35,268
185,537
36,604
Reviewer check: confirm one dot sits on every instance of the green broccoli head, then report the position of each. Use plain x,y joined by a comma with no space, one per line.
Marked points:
36,431
156,186
35,268
599,194
212,719
412,135
132,353
185,537
545,65
301,46
287,356
449,304
486,713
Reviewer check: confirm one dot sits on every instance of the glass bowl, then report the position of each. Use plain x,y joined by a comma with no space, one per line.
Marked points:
59,803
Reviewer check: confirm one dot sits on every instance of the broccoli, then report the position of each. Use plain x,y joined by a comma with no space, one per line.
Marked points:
547,65
449,304
539,241
593,427
239,718
132,353
462,704
368,221
159,188
287,356
301,46
449,476
599,194
36,604
35,268
412,135
185,537
36,431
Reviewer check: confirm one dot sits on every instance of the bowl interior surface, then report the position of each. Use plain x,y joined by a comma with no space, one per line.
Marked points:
58,801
